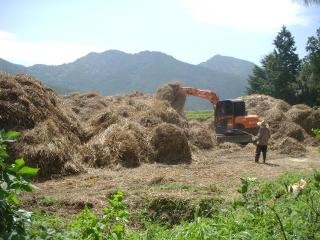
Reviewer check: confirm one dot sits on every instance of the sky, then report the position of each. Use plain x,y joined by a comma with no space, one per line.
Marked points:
60,31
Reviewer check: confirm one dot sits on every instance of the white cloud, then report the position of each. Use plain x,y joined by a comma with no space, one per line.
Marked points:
247,15
29,53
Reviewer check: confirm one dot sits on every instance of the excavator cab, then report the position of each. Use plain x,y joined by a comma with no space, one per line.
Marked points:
225,113
232,123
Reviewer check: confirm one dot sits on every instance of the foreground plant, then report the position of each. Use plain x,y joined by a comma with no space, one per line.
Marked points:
111,225
264,210
14,178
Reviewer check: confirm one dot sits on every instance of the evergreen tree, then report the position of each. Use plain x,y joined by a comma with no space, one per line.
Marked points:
257,81
284,66
279,69
309,79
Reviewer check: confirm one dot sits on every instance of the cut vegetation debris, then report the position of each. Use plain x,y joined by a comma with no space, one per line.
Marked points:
290,125
52,133
69,134
170,144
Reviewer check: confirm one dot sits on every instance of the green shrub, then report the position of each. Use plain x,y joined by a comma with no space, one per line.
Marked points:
111,225
316,131
14,178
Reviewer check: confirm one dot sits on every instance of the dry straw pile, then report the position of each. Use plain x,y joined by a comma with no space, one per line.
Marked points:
51,132
290,125
65,135
170,144
172,93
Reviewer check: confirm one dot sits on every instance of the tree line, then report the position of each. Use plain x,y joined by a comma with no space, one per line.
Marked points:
283,75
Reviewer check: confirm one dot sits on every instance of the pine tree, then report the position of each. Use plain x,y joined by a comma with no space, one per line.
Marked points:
280,69
257,81
285,66
309,78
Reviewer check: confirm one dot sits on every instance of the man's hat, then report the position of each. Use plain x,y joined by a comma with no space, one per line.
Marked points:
263,123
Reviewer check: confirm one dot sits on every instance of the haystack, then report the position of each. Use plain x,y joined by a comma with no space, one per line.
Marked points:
46,148
123,143
100,122
172,93
291,147
50,132
167,113
290,129
305,116
85,105
285,121
260,104
23,101
200,135
170,144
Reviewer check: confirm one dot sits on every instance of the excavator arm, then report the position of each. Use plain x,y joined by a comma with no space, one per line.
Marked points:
206,94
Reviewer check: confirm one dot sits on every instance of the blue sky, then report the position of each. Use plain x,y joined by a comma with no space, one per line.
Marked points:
60,31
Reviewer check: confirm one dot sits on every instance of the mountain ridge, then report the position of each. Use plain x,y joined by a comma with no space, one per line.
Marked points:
115,72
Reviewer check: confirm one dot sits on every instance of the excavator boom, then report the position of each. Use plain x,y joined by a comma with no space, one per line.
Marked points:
206,94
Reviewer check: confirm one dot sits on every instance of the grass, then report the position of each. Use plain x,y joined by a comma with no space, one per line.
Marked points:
199,115
211,188
263,210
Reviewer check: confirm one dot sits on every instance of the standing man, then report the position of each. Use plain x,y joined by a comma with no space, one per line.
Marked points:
262,141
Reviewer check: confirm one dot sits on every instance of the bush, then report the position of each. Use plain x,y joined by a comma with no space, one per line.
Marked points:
316,131
87,225
14,178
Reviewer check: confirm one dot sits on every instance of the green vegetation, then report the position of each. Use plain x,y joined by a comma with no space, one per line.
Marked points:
85,225
283,75
263,211
200,115
317,134
14,178
277,76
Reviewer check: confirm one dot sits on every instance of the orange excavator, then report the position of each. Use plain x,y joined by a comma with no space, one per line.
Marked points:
231,121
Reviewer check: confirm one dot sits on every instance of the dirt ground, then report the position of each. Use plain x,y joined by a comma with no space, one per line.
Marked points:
212,173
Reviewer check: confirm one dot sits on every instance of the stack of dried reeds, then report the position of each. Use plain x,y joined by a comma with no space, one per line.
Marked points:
51,133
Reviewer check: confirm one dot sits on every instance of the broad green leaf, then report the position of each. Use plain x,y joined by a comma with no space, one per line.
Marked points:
14,199
18,164
11,135
3,153
28,171
2,164
118,228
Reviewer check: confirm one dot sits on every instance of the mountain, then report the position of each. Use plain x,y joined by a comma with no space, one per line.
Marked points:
114,72
232,65
6,66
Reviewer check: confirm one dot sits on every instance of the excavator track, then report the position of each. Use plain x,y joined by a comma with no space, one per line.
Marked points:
241,139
